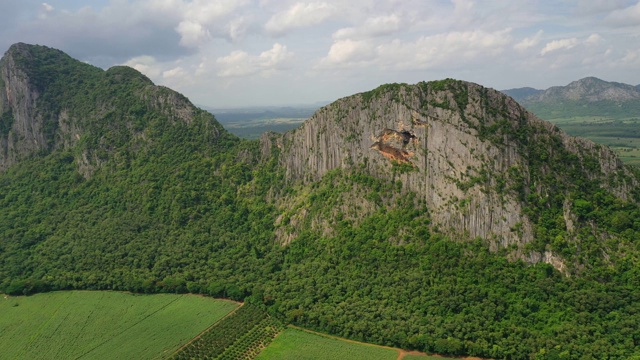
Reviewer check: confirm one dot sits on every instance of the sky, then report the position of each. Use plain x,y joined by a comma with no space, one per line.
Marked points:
237,53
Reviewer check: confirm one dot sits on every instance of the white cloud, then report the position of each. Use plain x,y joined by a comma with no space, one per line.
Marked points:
176,72
208,12
529,42
594,39
300,15
45,10
274,58
629,16
192,34
376,26
446,50
631,59
239,63
147,65
559,45
347,51
238,28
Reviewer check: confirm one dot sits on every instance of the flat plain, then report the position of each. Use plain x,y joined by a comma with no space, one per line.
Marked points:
103,324
301,345
621,134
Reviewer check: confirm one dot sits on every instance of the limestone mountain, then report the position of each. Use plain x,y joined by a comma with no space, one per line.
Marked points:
480,162
50,101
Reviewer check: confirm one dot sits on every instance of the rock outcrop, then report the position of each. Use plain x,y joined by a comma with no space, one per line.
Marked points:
23,126
465,149
51,101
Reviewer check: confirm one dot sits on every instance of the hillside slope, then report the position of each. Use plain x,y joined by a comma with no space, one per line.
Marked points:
585,97
483,165
399,216
49,101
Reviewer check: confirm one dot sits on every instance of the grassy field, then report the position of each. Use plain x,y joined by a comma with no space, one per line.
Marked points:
620,134
253,129
298,344
427,357
103,325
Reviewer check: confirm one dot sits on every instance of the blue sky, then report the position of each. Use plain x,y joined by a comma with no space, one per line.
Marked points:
232,53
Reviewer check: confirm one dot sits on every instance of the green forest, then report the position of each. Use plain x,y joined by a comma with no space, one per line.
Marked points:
174,207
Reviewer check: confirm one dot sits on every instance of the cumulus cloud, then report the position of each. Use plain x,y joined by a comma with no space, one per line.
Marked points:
344,52
192,34
629,16
45,10
300,15
176,72
146,64
445,50
593,39
632,57
203,20
372,27
562,44
529,42
240,63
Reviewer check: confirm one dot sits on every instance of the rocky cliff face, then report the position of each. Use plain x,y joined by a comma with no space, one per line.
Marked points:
50,101
465,149
23,127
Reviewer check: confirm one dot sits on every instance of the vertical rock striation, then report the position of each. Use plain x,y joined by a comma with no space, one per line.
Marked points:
469,150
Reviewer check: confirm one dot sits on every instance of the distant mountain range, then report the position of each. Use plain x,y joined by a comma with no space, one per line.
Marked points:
585,97
589,89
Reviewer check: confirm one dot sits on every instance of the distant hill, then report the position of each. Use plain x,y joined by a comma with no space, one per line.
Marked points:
252,122
589,89
605,112
520,94
585,97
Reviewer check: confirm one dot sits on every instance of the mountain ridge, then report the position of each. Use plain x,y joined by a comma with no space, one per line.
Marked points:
589,89
44,112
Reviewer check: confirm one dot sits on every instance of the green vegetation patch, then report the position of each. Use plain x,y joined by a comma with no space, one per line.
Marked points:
241,335
300,345
103,325
619,130
425,357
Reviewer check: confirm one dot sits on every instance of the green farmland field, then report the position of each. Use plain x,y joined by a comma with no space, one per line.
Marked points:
621,134
103,325
427,357
300,345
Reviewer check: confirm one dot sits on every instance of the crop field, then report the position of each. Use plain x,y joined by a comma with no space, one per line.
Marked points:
621,134
297,344
241,335
254,128
103,325
427,357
